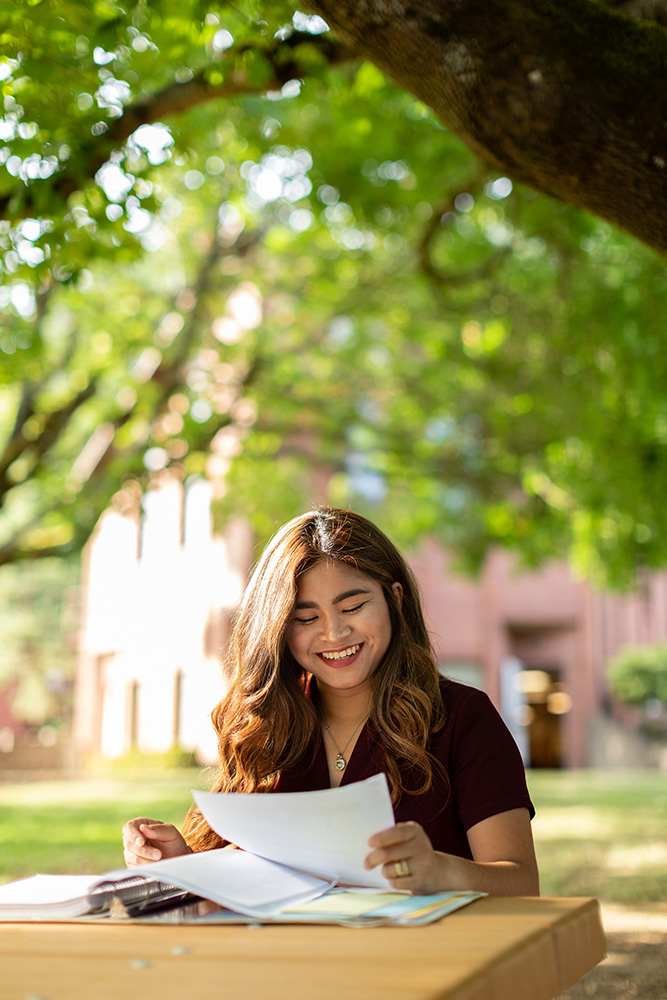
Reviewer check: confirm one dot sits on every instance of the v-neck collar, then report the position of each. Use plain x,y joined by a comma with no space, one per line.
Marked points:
354,764
365,759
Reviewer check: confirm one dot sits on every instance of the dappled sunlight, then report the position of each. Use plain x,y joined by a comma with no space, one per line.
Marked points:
97,790
601,833
632,859
574,824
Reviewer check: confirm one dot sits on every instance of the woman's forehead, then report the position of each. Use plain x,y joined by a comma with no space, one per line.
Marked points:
331,577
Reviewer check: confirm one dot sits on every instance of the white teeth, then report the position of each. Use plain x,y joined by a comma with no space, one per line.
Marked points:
342,654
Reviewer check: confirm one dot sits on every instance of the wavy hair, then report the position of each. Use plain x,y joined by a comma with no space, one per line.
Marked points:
264,722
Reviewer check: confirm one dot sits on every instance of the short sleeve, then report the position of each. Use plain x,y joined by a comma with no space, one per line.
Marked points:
485,767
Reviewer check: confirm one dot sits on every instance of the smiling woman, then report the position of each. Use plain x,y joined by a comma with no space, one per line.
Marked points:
333,680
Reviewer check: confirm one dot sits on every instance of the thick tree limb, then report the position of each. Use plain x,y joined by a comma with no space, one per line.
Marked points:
568,97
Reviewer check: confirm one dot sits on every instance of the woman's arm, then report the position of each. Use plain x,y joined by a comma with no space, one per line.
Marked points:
503,862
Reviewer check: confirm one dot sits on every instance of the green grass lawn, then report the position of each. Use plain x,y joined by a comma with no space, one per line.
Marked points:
598,833
75,826
602,833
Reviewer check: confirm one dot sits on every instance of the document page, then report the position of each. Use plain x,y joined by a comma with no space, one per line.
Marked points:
324,833
235,879
65,895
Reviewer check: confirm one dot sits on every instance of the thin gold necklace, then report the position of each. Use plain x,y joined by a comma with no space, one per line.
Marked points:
340,763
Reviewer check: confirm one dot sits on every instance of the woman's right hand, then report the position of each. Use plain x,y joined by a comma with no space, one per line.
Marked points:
146,840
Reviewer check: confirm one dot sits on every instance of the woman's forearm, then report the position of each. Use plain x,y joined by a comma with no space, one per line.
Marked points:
498,878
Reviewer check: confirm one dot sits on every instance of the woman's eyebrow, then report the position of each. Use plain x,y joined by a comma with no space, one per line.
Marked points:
304,605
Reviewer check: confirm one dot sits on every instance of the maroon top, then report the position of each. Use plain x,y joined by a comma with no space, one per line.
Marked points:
478,753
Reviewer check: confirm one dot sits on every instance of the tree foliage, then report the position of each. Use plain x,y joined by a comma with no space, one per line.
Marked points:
37,625
231,248
639,674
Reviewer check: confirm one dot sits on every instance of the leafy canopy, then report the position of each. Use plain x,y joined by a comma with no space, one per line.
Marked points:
230,249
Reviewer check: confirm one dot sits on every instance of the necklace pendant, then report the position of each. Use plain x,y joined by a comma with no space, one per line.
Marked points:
340,762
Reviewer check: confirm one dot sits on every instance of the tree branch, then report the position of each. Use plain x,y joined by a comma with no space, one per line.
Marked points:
54,424
12,552
169,373
568,98
450,279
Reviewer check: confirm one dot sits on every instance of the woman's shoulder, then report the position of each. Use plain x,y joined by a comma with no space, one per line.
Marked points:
468,709
455,694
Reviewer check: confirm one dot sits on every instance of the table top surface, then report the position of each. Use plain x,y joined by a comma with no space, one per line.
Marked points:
505,949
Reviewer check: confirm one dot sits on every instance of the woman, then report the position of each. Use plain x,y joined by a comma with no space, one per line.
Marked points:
332,679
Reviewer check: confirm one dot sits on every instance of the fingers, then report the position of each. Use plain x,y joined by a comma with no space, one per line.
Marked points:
137,849
395,844
146,840
405,845
401,833
156,831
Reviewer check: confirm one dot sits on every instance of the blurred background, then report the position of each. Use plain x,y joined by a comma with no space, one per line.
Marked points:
237,284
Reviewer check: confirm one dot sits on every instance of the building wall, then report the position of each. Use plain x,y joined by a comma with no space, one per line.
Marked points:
547,622
160,592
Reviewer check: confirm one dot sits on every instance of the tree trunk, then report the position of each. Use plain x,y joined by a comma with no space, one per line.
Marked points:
567,96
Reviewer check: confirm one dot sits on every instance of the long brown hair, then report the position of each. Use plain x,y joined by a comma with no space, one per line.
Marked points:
264,722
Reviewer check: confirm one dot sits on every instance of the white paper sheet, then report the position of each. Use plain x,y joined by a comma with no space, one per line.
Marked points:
235,879
46,890
50,897
325,832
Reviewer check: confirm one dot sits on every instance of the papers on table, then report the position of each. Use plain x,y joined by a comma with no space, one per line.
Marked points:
55,895
346,907
64,897
236,879
354,908
295,846
324,833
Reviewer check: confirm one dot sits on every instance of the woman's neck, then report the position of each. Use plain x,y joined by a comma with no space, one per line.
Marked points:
343,708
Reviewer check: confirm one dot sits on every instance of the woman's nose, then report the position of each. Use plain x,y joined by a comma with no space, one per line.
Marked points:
334,627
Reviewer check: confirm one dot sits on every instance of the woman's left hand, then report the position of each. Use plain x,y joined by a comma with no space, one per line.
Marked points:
405,845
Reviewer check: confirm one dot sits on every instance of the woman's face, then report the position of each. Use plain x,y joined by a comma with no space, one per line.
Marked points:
340,628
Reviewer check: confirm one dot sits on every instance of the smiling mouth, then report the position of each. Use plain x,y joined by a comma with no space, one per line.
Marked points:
342,654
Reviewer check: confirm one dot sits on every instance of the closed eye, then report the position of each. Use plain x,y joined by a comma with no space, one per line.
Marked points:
357,607
346,611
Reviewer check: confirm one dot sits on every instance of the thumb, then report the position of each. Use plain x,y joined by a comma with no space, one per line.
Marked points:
158,831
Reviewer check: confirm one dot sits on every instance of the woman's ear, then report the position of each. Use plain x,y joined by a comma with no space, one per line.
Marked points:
398,594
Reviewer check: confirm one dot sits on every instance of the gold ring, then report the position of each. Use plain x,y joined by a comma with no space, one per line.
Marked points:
401,869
